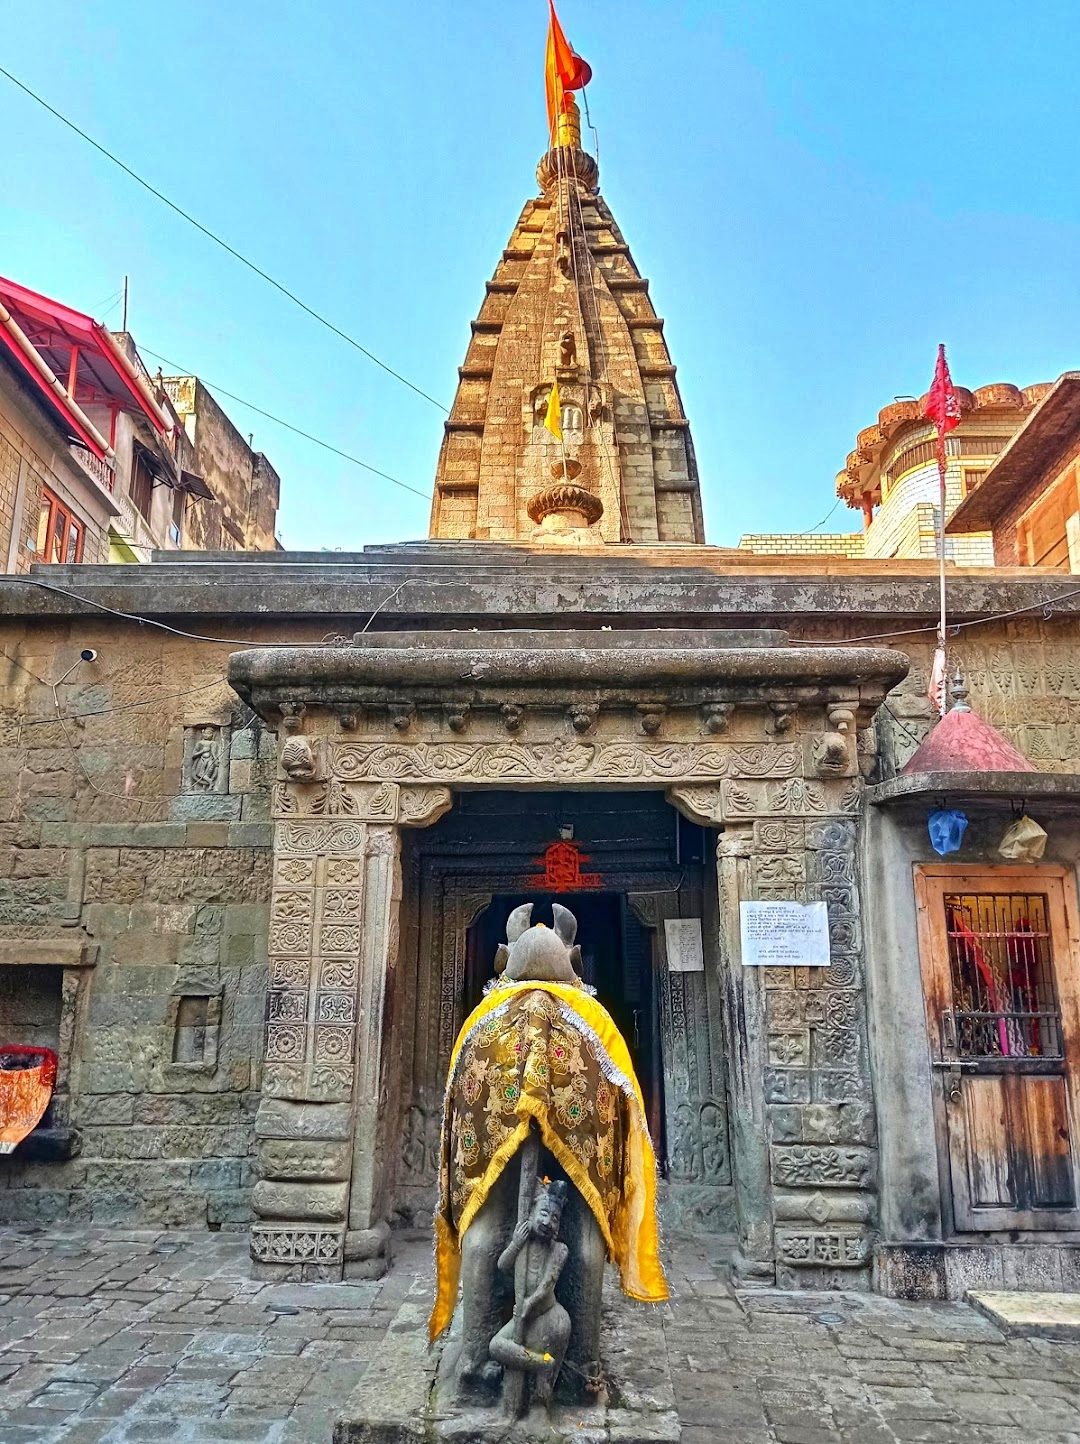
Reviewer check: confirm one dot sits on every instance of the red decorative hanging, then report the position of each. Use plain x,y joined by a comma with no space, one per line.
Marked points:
561,864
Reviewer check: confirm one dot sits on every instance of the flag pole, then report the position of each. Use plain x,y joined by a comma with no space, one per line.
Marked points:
943,409
941,565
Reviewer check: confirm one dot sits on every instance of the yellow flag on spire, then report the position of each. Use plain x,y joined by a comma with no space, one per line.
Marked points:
553,419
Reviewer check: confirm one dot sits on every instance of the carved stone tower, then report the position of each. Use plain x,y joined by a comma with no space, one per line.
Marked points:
567,306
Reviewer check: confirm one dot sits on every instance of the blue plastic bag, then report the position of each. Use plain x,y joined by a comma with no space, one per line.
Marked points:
946,831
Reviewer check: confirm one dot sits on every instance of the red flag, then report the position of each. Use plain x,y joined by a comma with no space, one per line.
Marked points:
564,69
942,406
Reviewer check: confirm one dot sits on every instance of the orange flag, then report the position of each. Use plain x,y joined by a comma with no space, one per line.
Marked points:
564,70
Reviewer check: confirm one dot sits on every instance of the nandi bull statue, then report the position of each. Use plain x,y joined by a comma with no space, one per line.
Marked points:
540,1083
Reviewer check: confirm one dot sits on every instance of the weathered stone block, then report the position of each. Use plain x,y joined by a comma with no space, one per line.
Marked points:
280,1118
295,1159
204,807
229,1206
316,1201
216,1173
104,1110
821,1167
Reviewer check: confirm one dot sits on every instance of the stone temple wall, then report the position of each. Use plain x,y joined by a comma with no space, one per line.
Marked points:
135,874
134,890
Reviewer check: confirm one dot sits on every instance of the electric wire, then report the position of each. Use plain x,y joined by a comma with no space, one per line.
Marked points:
823,520
205,230
1045,604
288,425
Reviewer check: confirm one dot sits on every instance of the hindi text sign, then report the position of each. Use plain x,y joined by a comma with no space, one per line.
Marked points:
784,934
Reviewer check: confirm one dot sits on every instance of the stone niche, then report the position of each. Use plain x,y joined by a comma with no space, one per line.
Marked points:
42,1000
764,742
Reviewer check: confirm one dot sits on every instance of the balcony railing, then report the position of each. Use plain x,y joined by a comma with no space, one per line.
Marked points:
101,471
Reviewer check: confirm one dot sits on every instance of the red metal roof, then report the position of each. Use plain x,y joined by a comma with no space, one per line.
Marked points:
81,354
963,742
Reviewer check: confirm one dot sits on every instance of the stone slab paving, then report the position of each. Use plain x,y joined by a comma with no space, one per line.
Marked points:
109,1336
1047,1316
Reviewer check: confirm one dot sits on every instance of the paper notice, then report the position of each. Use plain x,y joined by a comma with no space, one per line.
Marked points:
685,953
784,934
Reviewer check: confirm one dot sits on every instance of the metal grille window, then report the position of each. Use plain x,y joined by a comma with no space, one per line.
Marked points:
1002,976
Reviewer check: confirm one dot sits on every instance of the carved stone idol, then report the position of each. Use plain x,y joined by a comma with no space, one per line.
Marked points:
541,1061
567,349
532,1344
205,760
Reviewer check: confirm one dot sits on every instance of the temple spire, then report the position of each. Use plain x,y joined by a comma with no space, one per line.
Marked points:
567,315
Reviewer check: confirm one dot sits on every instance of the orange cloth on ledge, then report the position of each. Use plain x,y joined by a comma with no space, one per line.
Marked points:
24,1092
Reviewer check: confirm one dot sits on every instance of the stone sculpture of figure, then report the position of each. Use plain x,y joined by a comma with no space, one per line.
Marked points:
567,349
539,1077
532,1344
298,760
205,761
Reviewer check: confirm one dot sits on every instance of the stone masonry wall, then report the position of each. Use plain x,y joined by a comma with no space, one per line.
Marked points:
141,831
138,830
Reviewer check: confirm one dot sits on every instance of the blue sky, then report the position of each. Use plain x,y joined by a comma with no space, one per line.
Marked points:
818,190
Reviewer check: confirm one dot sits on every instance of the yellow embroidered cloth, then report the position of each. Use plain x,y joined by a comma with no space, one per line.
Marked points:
551,1052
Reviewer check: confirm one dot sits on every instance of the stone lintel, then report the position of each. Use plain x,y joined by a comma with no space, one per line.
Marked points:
264,676
48,952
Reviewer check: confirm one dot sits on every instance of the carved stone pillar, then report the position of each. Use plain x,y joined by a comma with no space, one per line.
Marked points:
745,1025
803,1135
333,942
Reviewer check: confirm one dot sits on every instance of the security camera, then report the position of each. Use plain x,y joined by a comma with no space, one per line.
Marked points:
88,655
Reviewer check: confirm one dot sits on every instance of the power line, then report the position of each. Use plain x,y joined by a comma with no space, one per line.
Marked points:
823,520
1045,605
326,445
185,215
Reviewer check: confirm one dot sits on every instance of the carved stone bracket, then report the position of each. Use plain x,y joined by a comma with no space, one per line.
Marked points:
410,805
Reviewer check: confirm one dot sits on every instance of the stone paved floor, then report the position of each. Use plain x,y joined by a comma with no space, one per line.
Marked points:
114,1337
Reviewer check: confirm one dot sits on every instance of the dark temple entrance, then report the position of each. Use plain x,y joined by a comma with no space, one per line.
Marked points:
616,957
627,865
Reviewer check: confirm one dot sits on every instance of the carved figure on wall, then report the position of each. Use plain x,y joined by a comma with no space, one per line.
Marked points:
205,760
298,760
830,754
567,349
540,1079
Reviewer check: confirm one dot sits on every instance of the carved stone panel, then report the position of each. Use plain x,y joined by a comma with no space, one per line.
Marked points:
562,760
206,759
820,1248
811,1166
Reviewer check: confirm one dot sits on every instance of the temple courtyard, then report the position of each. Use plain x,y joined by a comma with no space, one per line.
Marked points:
110,1336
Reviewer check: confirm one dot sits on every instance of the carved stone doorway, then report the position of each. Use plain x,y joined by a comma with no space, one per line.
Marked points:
625,863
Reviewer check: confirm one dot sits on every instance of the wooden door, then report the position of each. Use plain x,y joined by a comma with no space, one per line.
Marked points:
999,948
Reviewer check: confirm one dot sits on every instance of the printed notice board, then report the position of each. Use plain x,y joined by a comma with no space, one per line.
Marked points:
685,953
784,934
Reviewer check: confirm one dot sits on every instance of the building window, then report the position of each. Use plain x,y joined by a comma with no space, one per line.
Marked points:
1002,980
176,529
971,477
60,532
142,484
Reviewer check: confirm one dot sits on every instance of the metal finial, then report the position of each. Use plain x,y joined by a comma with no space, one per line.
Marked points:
959,693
